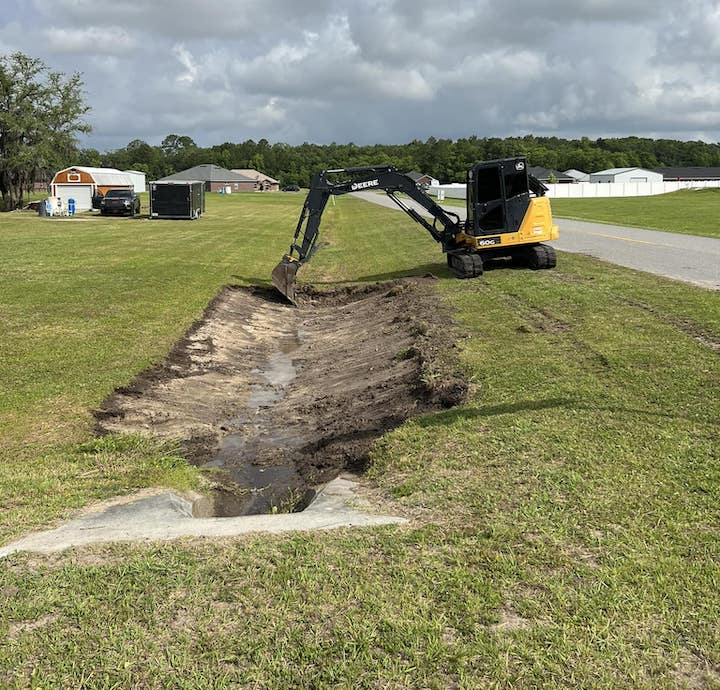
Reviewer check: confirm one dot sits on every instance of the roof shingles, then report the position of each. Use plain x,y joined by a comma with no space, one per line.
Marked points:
208,173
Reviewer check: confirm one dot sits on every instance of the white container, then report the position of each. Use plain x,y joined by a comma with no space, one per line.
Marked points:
55,206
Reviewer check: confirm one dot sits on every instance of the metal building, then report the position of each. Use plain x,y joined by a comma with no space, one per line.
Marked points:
138,179
625,175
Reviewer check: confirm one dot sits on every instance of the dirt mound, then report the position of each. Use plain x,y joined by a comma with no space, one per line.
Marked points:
280,399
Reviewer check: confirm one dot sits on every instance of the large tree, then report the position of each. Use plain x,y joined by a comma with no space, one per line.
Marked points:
41,113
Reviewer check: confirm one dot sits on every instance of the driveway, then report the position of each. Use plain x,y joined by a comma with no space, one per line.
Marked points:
687,258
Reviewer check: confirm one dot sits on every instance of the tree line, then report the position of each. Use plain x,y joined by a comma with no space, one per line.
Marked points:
443,159
42,112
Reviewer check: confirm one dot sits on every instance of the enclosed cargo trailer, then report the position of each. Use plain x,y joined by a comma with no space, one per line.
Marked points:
177,199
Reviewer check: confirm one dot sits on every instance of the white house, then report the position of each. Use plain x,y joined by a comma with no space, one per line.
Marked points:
422,179
263,182
626,175
578,175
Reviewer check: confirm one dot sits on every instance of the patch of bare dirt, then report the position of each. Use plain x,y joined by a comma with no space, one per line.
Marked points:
281,399
695,673
17,629
509,621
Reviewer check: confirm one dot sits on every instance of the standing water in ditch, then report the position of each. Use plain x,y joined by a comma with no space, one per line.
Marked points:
273,400
251,436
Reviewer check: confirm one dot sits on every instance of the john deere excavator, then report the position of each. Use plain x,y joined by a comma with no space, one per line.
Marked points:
508,216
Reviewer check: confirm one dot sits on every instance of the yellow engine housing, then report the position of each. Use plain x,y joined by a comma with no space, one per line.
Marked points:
537,226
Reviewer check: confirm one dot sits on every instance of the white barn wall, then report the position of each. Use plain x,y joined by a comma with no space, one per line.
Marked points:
138,180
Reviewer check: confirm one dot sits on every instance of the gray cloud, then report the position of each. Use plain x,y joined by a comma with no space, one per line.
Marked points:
381,70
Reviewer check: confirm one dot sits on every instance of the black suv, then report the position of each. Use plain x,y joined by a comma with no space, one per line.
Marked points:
120,201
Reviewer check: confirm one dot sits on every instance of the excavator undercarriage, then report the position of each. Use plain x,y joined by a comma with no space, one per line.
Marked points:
508,217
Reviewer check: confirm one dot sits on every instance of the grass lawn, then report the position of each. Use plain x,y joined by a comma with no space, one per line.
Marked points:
564,522
690,212
85,305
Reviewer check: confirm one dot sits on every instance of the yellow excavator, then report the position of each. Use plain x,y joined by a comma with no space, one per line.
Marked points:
508,216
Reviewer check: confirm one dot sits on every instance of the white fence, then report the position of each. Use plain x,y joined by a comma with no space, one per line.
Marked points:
452,191
588,190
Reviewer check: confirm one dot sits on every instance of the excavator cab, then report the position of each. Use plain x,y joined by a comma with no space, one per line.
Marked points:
498,196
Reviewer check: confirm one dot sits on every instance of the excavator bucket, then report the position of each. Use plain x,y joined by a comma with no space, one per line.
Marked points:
283,277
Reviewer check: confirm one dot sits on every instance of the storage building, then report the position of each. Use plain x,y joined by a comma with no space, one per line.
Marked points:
138,179
81,183
625,175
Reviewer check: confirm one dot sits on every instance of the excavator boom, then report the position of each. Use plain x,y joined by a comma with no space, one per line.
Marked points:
385,178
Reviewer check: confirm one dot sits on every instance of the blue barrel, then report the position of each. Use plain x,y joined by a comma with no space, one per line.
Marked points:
71,207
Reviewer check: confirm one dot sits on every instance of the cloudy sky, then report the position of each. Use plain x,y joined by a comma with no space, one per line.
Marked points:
380,71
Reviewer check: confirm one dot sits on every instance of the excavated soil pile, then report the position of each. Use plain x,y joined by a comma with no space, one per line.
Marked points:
281,399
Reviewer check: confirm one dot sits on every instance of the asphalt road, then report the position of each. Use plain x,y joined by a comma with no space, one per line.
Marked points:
687,258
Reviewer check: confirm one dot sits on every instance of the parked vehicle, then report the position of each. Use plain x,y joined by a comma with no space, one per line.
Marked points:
123,201
291,188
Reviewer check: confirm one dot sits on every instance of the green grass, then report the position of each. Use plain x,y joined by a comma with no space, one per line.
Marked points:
85,305
690,212
564,521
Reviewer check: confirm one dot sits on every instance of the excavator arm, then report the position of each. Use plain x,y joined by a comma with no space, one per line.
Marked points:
348,180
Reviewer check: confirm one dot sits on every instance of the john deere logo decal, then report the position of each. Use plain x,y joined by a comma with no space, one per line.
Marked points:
363,185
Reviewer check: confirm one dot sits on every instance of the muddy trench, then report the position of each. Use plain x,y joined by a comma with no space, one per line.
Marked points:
277,400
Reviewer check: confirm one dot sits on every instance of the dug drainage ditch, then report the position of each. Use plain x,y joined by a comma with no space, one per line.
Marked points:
277,400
